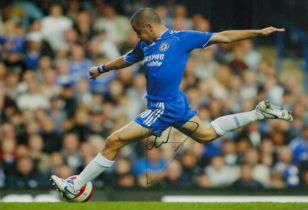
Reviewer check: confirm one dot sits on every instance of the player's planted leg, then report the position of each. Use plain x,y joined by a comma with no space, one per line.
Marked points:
102,161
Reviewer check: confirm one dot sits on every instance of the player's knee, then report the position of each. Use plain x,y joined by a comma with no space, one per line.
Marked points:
206,136
114,142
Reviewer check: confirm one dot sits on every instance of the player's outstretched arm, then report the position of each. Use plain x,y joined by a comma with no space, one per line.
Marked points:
237,35
115,64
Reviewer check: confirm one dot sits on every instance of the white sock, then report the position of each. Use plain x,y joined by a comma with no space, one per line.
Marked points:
227,123
92,170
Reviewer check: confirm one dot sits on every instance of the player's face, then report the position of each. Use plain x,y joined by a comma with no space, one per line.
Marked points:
143,32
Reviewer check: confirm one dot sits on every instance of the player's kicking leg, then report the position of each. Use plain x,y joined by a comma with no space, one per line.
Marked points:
103,160
220,126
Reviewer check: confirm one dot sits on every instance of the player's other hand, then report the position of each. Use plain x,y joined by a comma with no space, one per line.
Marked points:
270,30
93,72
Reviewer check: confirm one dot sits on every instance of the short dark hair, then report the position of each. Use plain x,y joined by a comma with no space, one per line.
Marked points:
145,15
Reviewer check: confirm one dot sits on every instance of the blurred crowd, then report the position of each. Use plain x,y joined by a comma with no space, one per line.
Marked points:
54,120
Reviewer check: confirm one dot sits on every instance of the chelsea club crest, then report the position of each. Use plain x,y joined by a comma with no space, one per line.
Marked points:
163,46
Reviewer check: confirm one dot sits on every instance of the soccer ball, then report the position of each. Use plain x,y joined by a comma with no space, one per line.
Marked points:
85,192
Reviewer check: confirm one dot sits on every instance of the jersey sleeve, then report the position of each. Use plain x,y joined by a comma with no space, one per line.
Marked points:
135,55
194,39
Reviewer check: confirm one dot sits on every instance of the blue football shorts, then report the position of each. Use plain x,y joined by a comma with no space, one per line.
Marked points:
161,115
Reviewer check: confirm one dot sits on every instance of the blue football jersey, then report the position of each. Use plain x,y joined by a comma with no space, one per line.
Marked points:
165,60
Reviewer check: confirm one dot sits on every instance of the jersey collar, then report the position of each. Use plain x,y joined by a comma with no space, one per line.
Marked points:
164,34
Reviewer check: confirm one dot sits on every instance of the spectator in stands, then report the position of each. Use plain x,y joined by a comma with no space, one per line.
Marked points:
265,70
52,139
200,23
83,27
96,122
165,15
249,86
238,64
116,26
33,98
246,180
96,52
229,152
83,92
78,63
173,176
191,170
203,181
276,180
63,72
25,11
288,171
180,18
106,46
122,175
274,90
81,128
267,152
152,166
11,90
8,156
242,146
299,146
40,159
136,93
71,39
71,152
221,175
299,118
26,175
68,99
12,44
49,86
206,65
56,112
56,161
220,83
303,170
252,57
260,172
64,170
33,50
54,26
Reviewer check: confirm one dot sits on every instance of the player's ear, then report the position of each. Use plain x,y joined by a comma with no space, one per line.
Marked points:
149,26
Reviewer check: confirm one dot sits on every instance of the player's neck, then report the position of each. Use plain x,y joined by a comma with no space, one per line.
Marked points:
160,30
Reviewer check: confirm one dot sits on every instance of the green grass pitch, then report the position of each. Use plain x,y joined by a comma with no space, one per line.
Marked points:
152,206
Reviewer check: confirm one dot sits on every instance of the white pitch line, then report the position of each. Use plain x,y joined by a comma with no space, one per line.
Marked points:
233,199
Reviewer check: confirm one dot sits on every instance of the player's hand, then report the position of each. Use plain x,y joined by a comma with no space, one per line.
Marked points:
93,72
270,30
